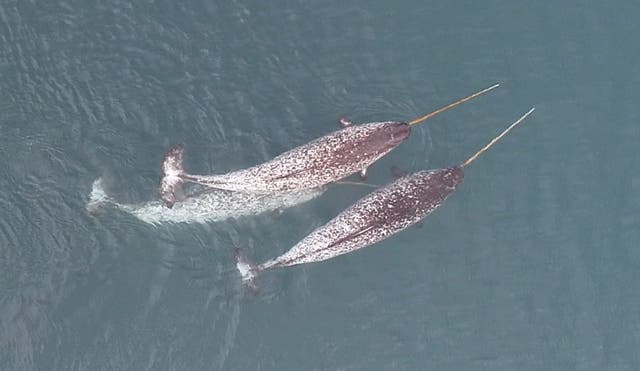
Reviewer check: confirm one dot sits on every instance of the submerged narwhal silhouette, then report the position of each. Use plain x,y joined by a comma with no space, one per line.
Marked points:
374,217
322,161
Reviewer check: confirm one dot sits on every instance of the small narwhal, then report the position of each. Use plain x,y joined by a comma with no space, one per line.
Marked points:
315,164
203,205
374,217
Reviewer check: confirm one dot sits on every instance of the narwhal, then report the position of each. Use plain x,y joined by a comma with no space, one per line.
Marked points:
315,164
373,218
202,205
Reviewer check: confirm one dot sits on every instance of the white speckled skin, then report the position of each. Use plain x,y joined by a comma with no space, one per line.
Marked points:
374,217
202,207
317,163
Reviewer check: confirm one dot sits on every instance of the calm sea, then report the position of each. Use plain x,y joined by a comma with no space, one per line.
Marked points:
532,264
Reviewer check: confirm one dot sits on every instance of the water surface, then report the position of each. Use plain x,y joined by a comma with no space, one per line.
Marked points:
531,265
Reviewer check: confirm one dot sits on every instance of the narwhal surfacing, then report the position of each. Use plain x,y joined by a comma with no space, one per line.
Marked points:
202,205
322,161
375,217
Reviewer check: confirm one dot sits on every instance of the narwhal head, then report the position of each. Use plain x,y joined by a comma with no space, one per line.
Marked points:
434,186
387,135
452,177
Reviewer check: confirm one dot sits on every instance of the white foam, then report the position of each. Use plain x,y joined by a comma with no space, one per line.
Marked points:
212,206
245,269
98,196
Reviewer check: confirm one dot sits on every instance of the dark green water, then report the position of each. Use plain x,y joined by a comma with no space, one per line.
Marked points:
533,264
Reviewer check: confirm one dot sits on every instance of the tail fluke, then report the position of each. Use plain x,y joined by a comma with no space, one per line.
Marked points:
248,270
98,197
171,181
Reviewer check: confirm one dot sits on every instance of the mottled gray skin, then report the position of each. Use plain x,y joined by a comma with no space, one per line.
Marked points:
373,218
315,164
